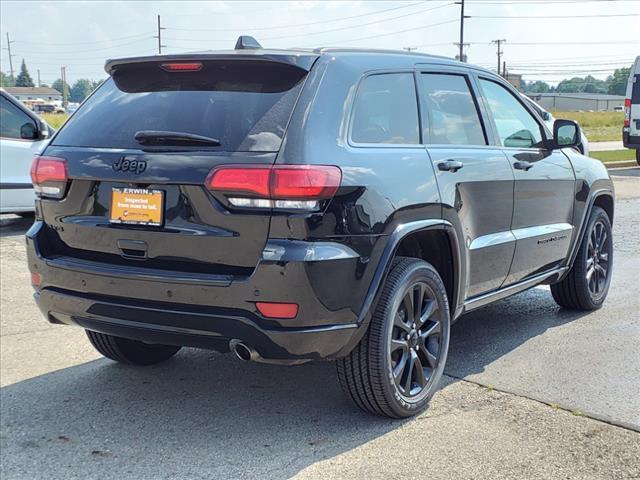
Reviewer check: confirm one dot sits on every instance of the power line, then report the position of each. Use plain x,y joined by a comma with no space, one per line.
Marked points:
71,52
298,24
518,17
338,29
85,43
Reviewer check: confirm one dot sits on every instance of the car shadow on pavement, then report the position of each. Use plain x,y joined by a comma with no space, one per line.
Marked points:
481,337
206,412
11,225
200,412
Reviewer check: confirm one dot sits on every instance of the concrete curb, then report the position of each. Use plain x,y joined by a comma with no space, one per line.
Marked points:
623,164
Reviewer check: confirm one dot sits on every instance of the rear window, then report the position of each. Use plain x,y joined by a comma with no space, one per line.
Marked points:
244,104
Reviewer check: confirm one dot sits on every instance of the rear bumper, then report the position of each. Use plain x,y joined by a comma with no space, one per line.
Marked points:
630,141
209,312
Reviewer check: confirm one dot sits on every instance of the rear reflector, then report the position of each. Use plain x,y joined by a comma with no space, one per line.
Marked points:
36,279
49,176
277,310
182,67
279,186
627,112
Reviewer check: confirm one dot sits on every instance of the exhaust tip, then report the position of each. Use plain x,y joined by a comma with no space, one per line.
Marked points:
242,351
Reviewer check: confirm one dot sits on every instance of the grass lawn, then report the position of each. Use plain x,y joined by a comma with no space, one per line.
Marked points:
614,155
54,119
597,126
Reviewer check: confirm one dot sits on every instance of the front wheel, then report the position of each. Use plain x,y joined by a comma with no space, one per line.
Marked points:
395,369
586,285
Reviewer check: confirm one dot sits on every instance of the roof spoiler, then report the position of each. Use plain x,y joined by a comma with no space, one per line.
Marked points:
245,42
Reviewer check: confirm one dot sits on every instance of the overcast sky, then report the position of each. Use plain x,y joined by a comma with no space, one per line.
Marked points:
574,38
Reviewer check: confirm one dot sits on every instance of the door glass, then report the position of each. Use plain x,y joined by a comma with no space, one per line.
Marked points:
516,126
386,110
11,119
449,112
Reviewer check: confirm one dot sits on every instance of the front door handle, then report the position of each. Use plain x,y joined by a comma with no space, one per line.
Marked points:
522,165
450,166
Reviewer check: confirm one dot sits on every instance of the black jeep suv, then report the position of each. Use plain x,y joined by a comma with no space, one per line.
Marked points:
310,205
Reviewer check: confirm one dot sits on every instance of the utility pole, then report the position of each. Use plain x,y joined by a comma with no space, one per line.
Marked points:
9,42
38,77
63,76
159,37
500,52
461,44
504,69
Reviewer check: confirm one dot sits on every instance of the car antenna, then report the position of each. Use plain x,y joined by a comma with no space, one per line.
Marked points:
245,42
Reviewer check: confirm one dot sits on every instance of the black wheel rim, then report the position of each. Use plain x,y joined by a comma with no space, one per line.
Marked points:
416,340
598,259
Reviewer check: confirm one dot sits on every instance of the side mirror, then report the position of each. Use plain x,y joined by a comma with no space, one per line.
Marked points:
28,131
566,134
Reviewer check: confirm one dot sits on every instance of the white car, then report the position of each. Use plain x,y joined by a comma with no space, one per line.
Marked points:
548,119
631,128
22,136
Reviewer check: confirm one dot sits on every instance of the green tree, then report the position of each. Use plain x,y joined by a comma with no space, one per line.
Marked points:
537,87
24,79
6,80
58,86
81,90
618,81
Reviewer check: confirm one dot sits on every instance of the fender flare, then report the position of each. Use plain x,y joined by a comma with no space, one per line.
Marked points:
583,227
384,265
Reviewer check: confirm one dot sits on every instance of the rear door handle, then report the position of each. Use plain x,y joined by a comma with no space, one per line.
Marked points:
522,165
450,166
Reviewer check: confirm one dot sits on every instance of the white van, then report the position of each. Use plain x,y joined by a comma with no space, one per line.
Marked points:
631,129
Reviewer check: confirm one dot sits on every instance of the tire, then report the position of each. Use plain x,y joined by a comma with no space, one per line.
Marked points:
585,287
638,156
367,373
130,352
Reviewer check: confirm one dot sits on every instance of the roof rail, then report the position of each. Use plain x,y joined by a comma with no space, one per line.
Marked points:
246,42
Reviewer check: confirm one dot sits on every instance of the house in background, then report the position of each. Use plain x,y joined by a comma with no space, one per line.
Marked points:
25,94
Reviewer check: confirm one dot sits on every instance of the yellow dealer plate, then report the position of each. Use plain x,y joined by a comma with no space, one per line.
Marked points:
136,206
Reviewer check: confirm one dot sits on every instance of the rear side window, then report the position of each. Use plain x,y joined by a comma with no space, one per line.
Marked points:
635,91
516,126
386,110
450,115
246,105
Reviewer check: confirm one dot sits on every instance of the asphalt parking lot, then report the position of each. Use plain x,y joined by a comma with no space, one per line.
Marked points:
531,391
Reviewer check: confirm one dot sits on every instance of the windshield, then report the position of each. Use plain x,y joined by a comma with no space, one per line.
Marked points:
244,105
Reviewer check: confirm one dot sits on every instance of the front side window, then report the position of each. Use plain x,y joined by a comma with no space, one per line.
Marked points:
386,110
13,120
449,112
516,126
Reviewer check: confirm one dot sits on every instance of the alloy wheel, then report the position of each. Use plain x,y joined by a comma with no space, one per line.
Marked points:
415,342
598,254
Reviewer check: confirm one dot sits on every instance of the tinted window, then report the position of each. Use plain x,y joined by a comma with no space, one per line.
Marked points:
516,126
11,119
386,110
450,115
245,105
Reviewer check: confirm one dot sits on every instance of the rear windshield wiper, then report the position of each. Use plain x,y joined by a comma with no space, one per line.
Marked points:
161,138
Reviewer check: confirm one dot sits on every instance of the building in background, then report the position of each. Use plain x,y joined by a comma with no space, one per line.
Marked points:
596,102
515,79
24,94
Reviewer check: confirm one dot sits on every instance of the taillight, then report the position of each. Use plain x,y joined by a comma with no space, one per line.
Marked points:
297,187
49,176
182,67
627,112
277,310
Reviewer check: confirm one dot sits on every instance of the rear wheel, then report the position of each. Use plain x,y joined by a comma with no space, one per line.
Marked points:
586,285
131,352
395,369
638,156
